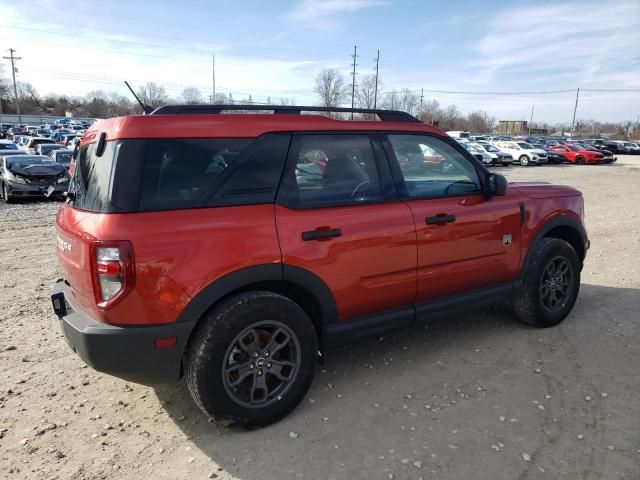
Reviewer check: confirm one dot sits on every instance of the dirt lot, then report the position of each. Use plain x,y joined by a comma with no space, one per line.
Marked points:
479,396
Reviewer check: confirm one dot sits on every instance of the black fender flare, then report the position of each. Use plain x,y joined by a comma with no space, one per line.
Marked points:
557,221
257,274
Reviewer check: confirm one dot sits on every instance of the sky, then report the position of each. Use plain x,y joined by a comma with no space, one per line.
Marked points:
275,49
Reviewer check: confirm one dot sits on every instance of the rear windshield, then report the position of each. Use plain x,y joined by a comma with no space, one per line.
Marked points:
91,182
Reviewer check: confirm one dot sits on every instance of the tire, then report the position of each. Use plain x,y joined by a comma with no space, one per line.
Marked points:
524,160
580,160
529,303
224,370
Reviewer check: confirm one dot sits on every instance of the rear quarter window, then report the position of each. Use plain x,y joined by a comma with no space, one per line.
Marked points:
194,173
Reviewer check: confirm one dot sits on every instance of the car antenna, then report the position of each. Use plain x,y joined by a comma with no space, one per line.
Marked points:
145,108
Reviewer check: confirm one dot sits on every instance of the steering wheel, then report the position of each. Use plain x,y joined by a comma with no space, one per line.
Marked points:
447,190
360,185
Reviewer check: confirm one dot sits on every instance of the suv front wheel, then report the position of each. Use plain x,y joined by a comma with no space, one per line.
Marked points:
550,284
252,359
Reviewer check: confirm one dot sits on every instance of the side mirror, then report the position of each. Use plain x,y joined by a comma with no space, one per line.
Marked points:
496,185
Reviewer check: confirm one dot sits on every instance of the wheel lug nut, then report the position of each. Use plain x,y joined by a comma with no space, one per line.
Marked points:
251,367
259,372
266,354
268,365
255,354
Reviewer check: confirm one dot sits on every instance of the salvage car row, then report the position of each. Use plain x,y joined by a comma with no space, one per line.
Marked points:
505,150
33,167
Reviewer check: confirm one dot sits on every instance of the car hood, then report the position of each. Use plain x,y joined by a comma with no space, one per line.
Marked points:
544,189
38,170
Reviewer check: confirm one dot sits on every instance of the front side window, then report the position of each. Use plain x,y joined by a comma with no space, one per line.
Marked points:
453,174
335,169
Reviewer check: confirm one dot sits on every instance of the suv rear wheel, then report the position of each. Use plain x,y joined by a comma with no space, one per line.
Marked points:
252,359
524,160
550,284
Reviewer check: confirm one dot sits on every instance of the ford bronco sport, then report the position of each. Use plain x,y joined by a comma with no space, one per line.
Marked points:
237,253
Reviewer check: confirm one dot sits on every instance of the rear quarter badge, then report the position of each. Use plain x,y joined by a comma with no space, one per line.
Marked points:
506,240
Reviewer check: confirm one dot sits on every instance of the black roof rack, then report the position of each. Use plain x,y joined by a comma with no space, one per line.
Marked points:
384,115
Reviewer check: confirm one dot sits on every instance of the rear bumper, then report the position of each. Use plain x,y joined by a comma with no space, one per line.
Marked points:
125,352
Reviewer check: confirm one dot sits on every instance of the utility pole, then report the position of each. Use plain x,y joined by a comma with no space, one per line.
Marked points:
15,88
574,111
531,118
421,98
353,81
375,91
213,78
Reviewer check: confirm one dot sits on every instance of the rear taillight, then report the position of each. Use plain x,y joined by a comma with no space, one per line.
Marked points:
113,271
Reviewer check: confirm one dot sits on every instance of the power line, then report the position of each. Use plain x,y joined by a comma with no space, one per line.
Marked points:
489,93
136,54
375,90
143,44
15,88
353,79
575,108
610,90
164,37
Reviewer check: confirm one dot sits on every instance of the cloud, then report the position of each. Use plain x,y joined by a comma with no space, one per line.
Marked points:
590,40
321,11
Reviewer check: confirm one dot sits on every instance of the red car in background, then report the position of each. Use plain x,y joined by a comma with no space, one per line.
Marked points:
579,155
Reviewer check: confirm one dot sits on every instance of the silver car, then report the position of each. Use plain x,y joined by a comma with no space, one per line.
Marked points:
24,176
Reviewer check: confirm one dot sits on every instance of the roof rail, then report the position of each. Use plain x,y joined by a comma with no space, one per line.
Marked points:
384,115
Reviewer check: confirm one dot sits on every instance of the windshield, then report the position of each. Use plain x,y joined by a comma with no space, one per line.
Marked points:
573,148
473,148
526,146
491,148
37,141
22,162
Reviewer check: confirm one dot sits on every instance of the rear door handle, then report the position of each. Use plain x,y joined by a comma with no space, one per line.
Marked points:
440,219
320,234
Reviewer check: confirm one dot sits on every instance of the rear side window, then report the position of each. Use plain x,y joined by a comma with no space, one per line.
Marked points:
191,173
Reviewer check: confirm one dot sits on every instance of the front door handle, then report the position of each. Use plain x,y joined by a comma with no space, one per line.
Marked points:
321,234
440,219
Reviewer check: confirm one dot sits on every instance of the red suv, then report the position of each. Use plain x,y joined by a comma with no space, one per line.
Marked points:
237,254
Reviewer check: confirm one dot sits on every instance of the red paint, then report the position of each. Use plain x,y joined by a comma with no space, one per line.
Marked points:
370,267
468,253
587,155
386,256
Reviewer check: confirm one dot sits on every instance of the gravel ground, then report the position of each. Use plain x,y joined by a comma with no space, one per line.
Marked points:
478,396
